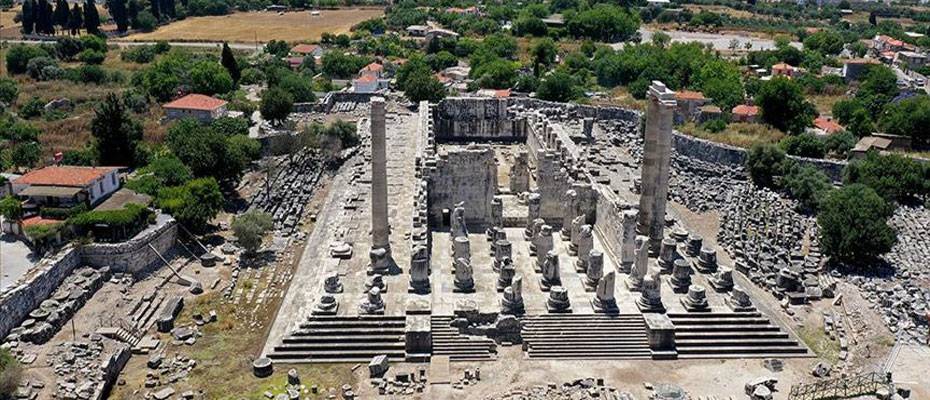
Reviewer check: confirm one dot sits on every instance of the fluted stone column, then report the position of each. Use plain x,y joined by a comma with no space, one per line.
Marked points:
628,246
380,254
656,158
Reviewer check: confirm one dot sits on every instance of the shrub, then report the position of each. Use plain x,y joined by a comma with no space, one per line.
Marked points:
68,47
715,125
36,68
252,76
892,176
61,213
853,225
32,108
94,42
194,204
87,74
9,90
94,57
139,54
122,223
43,232
18,57
11,208
10,374
840,143
146,21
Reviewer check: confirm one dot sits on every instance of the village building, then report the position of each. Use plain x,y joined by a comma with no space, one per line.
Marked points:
200,107
744,113
66,186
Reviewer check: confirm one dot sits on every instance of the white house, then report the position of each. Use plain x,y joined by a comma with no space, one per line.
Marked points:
66,186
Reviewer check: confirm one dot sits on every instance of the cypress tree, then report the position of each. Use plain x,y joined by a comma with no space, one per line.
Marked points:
133,14
61,14
156,9
229,62
28,17
119,14
167,7
76,20
91,17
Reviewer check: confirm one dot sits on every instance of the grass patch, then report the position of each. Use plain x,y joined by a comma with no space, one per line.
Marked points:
817,340
824,103
736,134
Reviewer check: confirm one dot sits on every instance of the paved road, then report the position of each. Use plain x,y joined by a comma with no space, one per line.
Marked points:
15,260
719,41
123,43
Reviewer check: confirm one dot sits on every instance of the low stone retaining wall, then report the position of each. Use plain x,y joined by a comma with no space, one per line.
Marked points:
718,153
111,369
36,286
134,256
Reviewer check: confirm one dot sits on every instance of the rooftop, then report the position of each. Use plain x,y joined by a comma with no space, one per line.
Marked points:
745,109
828,125
689,95
196,101
304,48
64,176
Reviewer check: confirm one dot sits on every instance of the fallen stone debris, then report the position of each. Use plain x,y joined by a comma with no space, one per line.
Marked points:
579,389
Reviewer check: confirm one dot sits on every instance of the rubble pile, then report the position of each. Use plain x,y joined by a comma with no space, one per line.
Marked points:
767,236
702,186
164,371
79,366
579,389
902,294
44,321
290,187
403,383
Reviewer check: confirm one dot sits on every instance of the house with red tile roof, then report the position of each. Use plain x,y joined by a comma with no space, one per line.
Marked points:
304,50
786,70
689,105
826,126
67,186
200,107
744,113
374,69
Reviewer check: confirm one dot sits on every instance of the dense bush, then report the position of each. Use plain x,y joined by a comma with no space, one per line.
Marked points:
18,57
9,90
122,223
43,69
193,204
89,56
250,228
806,184
892,176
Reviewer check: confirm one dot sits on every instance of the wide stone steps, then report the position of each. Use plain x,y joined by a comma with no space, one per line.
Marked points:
581,336
732,335
338,339
447,341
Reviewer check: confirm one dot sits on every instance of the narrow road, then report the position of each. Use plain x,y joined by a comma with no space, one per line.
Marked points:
123,43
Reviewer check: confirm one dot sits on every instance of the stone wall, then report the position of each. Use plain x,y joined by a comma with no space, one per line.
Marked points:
36,286
460,119
111,369
134,256
609,223
719,153
463,174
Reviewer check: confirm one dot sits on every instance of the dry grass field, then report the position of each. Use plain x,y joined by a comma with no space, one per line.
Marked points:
736,134
262,26
6,17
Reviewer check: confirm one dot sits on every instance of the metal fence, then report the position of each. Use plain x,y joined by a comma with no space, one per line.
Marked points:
840,388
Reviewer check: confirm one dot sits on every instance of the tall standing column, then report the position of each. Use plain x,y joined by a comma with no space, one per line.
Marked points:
656,158
380,254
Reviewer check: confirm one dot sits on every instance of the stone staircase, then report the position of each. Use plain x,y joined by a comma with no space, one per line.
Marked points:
732,335
592,336
447,341
333,339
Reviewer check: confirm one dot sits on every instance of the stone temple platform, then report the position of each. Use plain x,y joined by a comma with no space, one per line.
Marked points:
481,165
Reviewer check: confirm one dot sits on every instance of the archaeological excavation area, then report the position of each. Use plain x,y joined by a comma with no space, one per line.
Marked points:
477,226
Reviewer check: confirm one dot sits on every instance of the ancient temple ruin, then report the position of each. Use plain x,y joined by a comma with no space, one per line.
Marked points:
502,221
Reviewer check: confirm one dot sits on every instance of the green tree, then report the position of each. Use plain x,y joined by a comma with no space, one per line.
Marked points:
530,25
230,126
299,86
807,184
250,228
200,148
764,163
208,77
229,62
164,171
424,86
879,85
276,105
558,86
854,225
803,145
543,53
720,80
892,176
119,13
783,105
496,74
61,13
116,133
827,42
194,204
339,65
908,117
604,22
